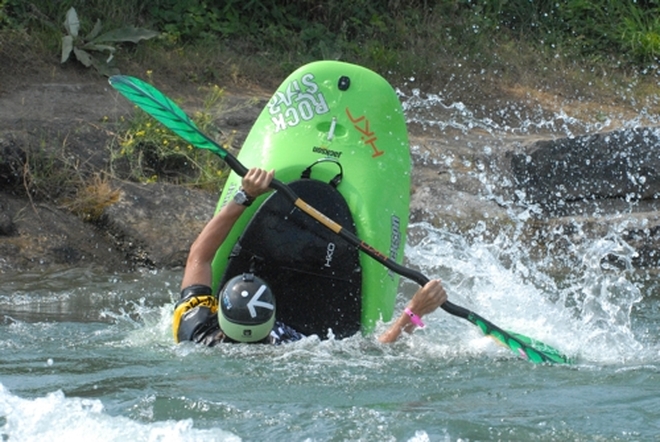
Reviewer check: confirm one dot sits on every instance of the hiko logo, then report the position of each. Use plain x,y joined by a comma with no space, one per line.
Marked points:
301,101
363,126
329,252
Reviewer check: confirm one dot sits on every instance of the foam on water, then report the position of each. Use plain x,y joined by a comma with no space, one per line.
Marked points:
55,417
587,317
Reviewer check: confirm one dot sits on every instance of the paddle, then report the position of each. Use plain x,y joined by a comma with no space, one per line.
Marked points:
172,116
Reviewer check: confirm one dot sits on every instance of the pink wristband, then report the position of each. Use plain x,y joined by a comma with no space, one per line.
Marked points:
414,318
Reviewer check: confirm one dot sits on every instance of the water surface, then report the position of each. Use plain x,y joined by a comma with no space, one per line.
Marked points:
86,354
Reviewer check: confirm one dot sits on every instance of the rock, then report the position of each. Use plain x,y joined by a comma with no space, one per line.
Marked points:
596,184
46,236
152,225
155,224
616,167
7,226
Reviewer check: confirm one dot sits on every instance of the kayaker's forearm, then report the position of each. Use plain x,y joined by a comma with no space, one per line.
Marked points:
426,300
402,324
198,265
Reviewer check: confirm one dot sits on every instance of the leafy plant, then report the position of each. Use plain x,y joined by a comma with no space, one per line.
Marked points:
149,152
7,13
88,49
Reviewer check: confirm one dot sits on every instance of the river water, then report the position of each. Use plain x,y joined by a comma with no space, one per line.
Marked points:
88,355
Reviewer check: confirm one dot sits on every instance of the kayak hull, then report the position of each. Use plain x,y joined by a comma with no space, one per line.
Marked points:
351,117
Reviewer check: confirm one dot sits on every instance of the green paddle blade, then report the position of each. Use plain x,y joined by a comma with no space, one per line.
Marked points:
524,346
536,351
153,102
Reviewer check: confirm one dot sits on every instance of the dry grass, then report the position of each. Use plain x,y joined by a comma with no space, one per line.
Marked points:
92,198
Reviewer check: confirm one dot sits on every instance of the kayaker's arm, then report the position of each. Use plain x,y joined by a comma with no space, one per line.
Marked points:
426,300
198,265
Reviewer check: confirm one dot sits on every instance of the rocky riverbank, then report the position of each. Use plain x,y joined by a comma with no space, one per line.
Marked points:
578,186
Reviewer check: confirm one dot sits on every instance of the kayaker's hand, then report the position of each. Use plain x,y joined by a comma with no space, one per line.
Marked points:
425,301
256,181
428,298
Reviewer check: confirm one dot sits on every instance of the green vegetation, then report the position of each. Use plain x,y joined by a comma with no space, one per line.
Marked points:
395,36
89,49
433,41
571,47
147,151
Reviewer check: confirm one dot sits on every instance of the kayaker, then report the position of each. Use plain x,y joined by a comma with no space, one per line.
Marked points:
247,307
